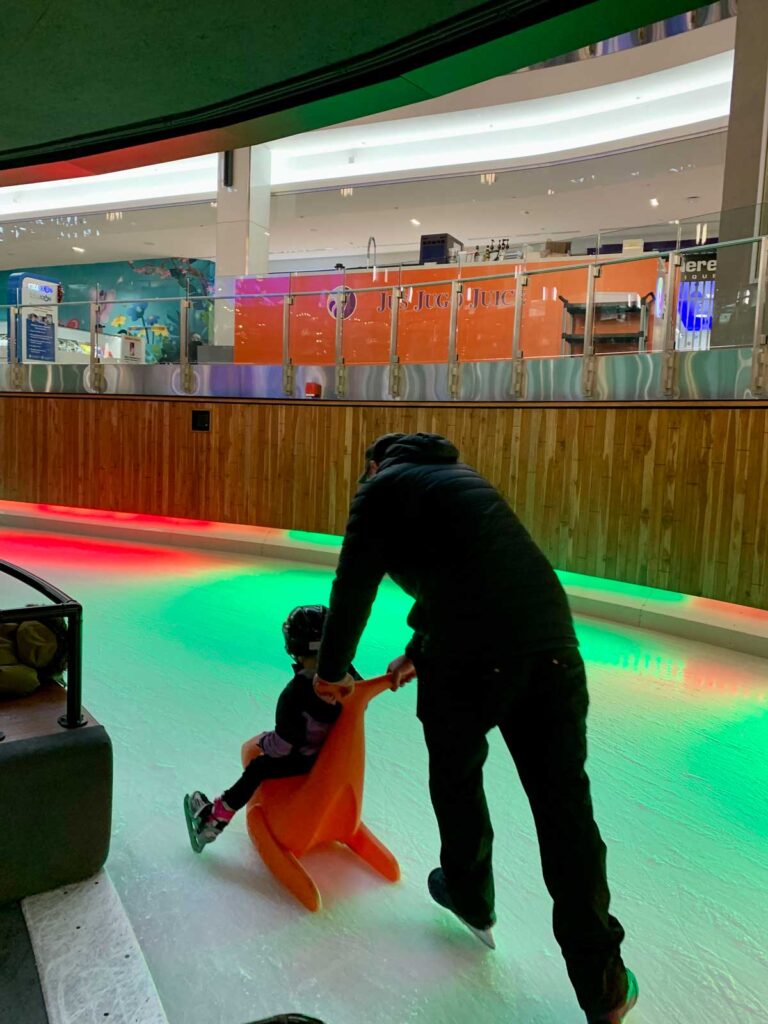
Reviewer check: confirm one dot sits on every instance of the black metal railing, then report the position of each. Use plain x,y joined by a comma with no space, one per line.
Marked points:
63,607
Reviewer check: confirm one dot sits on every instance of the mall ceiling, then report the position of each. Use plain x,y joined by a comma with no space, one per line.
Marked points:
567,200
91,88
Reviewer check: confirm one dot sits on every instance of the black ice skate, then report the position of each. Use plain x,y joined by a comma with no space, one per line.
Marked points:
617,1015
202,826
438,890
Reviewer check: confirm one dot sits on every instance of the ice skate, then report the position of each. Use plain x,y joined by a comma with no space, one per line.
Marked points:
438,890
202,826
617,1015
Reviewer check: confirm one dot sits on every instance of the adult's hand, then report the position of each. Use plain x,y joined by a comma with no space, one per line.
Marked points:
402,671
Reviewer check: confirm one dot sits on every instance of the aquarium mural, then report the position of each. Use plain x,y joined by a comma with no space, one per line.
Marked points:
133,296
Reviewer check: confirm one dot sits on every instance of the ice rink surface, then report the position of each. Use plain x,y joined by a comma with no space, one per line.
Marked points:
184,660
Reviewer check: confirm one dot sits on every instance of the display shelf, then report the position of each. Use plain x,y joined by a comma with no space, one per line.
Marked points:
618,338
634,311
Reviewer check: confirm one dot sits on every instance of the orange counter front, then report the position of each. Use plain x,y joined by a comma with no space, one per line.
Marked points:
485,318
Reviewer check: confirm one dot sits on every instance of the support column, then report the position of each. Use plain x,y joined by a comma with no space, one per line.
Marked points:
242,229
745,185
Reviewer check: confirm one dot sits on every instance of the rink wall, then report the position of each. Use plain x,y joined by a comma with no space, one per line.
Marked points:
672,495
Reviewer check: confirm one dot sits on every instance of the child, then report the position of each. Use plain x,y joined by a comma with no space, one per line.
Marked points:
304,717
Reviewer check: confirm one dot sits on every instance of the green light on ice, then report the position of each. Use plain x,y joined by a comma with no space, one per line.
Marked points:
329,540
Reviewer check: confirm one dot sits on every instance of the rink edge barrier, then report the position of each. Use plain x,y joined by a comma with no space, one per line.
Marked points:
87,955
730,626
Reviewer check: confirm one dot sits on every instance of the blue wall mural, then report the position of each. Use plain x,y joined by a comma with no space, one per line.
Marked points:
129,293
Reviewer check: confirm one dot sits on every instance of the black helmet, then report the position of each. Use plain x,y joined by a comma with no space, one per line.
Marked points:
303,630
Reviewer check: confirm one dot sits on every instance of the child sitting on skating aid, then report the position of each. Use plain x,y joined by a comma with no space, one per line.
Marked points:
304,717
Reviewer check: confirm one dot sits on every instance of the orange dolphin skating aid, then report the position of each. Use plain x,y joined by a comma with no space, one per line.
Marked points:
288,817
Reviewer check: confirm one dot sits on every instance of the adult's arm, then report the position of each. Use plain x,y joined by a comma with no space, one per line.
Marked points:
414,646
360,570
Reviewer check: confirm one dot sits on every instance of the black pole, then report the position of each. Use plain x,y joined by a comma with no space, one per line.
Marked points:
73,718
228,170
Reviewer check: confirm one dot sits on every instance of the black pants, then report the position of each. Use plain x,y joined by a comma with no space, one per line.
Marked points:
540,705
261,768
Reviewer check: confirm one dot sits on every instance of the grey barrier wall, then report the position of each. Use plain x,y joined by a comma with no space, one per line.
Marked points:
725,373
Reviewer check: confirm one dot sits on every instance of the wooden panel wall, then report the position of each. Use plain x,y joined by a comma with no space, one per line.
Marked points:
670,496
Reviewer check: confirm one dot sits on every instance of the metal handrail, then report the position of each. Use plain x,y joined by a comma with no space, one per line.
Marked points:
63,607
521,274
606,261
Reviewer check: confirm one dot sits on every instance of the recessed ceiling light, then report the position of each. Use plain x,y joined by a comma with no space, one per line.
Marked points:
76,248
550,191
416,223
654,201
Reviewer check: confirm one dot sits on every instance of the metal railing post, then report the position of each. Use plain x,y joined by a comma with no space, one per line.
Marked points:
17,366
395,368
341,370
759,376
588,355
457,287
289,370
518,366
187,372
669,353
95,366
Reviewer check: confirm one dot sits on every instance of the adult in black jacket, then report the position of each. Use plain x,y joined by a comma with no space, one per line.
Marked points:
493,645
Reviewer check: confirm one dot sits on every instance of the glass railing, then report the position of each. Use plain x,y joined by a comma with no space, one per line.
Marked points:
326,329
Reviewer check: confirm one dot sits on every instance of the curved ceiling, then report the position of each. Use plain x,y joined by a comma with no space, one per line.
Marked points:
673,100
118,79
655,184
670,89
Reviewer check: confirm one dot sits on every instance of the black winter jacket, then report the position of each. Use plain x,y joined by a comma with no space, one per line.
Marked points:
484,592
